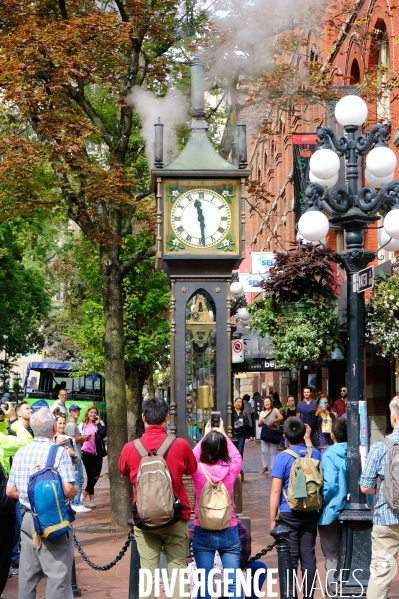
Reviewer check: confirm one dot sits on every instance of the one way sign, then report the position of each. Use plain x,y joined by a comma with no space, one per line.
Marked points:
365,279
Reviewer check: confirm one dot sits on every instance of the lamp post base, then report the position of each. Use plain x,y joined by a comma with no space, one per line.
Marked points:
355,550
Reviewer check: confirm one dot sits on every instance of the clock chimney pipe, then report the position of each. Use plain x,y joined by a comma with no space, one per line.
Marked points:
158,162
197,89
242,146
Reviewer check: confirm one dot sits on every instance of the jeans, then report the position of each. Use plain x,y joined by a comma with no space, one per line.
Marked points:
17,534
79,483
269,452
254,567
227,543
241,445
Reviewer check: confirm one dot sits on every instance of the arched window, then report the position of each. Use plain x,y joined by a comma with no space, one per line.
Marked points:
355,73
384,97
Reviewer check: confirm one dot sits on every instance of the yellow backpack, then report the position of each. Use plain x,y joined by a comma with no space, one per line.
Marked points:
305,483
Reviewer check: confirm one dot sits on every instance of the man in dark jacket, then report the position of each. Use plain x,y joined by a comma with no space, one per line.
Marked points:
180,461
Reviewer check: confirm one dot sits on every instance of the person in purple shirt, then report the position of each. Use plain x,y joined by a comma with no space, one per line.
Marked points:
306,405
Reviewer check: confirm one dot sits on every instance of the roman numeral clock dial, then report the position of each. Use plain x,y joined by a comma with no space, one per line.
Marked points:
200,218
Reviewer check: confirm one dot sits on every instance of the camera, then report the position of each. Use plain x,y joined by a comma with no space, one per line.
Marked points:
4,401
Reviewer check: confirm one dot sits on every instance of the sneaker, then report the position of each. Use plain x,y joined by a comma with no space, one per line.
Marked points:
13,572
264,470
82,498
80,508
92,504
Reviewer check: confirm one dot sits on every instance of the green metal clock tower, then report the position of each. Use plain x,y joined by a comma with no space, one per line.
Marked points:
200,240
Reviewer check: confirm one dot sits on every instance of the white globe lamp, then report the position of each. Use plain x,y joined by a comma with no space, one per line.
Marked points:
377,182
313,225
243,315
236,289
351,110
300,238
381,161
324,164
391,224
383,240
329,183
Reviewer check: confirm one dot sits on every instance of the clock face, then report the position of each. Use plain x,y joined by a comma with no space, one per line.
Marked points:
200,218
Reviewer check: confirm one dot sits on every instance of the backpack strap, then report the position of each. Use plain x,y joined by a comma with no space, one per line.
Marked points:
162,449
292,453
51,456
388,443
208,478
309,452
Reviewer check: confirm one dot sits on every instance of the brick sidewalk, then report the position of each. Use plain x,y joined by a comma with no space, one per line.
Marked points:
103,547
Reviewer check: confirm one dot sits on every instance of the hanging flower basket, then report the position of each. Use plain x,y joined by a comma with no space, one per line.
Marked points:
293,308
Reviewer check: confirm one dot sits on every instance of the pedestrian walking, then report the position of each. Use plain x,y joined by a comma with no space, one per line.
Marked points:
305,406
72,429
240,424
334,498
320,421
290,409
93,450
385,532
249,410
180,461
270,434
302,524
218,462
341,403
54,558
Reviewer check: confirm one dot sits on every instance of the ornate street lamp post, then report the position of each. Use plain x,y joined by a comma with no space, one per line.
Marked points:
352,210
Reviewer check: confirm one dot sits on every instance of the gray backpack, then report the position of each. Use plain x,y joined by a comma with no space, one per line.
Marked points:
155,505
391,483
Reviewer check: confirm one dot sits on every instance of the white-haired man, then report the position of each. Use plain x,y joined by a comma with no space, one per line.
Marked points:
55,557
385,533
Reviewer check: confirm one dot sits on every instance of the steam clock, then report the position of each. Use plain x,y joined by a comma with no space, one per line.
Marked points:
200,240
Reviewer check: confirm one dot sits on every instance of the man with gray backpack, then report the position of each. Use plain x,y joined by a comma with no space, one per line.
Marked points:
383,463
156,464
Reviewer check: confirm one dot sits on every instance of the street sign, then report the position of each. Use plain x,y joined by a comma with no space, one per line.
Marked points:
365,279
237,347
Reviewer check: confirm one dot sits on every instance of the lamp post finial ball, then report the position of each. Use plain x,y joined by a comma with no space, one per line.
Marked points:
313,225
351,110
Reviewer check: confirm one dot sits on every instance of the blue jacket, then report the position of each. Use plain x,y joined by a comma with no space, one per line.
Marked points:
335,488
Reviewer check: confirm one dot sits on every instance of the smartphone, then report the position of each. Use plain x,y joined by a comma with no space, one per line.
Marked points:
215,419
322,404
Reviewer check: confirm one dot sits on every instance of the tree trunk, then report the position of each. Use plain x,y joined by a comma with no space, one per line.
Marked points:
115,390
135,378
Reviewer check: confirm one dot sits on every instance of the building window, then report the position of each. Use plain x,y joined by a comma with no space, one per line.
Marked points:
355,73
384,96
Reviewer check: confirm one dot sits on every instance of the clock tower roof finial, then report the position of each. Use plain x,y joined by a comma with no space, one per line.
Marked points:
199,154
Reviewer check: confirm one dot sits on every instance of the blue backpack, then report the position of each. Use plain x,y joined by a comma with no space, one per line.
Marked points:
51,512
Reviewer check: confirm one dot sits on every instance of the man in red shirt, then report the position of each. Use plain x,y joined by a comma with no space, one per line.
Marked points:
339,406
180,461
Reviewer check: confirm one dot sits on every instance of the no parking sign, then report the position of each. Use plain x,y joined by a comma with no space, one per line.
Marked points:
237,348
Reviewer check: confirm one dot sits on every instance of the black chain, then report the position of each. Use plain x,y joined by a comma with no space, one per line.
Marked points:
111,564
253,559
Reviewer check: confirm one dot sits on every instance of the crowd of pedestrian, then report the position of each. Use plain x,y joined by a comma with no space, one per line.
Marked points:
304,450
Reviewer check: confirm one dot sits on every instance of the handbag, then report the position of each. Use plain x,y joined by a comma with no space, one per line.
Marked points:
271,436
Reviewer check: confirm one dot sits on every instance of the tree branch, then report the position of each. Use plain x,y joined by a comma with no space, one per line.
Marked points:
128,226
122,11
89,110
135,259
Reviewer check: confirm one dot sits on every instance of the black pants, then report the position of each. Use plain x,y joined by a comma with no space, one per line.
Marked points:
302,539
6,544
93,465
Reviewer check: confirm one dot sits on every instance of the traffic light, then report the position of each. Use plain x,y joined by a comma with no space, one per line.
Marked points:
44,354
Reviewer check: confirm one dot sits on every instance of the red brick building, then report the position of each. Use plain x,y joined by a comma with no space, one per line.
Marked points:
359,50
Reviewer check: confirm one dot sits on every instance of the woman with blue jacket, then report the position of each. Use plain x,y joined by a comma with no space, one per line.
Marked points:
334,497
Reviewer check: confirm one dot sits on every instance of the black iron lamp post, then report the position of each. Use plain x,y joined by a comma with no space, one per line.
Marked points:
352,210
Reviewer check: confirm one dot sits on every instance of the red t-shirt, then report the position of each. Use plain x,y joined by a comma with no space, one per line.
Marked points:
179,458
339,407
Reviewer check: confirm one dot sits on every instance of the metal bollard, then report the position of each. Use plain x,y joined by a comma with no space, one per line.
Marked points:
281,533
134,565
74,583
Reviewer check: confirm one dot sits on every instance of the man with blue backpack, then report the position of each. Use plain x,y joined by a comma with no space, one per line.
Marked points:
43,479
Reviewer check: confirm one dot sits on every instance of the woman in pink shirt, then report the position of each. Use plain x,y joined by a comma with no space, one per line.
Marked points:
93,450
216,454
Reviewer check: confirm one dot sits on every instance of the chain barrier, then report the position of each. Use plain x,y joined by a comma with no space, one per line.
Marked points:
107,566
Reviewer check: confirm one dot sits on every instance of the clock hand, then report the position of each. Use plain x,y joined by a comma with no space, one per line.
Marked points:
201,219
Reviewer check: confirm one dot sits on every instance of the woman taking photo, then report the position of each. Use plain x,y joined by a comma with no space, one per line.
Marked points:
320,422
271,435
240,424
218,460
93,450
